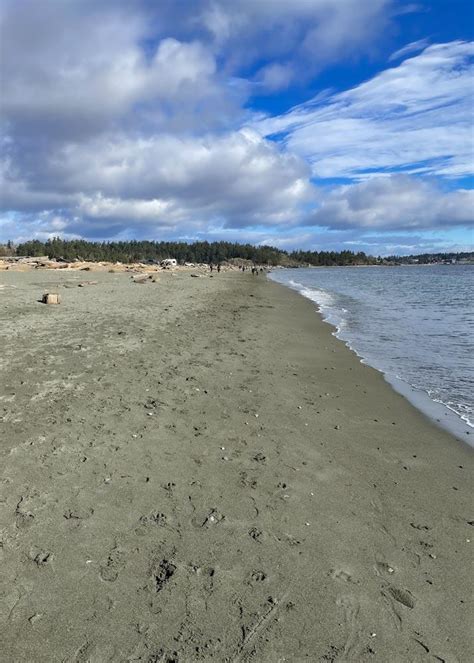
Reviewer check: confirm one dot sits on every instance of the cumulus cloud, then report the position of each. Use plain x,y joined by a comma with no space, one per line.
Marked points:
396,202
237,179
415,117
72,70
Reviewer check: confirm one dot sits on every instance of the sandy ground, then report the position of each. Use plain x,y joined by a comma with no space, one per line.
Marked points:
196,470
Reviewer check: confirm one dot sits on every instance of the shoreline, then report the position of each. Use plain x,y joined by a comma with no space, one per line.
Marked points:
435,411
196,469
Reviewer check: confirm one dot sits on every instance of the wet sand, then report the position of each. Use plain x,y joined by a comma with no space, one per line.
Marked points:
196,469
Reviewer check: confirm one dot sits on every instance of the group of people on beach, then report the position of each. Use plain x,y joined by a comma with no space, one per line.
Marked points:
255,270
243,268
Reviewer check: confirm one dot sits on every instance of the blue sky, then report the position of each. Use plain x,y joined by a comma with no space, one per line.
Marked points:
318,124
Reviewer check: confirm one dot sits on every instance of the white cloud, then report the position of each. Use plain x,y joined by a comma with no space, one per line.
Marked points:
416,117
396,202
237,180
67,73
413,47
99,207
275,76
311,33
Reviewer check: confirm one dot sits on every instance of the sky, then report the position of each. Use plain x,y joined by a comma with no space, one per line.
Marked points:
312,124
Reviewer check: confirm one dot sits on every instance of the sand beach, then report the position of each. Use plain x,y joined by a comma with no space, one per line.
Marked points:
196,469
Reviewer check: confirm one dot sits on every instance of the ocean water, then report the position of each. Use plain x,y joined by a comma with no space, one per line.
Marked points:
413,323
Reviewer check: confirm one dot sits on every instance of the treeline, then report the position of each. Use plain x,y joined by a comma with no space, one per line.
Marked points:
197,252
430,258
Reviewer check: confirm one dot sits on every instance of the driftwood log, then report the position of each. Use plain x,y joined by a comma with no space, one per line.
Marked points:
51,298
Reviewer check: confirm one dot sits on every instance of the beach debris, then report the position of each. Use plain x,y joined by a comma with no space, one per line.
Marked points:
169,263
212,518
51,298
196,276
140,278
83,284
34,618
337,427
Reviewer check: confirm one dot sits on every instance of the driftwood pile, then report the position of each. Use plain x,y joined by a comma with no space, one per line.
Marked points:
51,298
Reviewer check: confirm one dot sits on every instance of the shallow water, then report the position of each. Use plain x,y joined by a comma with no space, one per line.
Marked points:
413,323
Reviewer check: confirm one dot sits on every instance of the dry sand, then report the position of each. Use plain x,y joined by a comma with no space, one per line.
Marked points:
197,470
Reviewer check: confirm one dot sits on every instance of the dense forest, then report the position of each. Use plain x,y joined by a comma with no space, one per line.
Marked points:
197,252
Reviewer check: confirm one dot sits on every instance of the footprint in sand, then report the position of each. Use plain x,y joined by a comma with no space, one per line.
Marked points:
351,608
155,518
110,570
257,577
395,597
340,574
256,534
403,596
160,576
206,573
40,557
23,516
